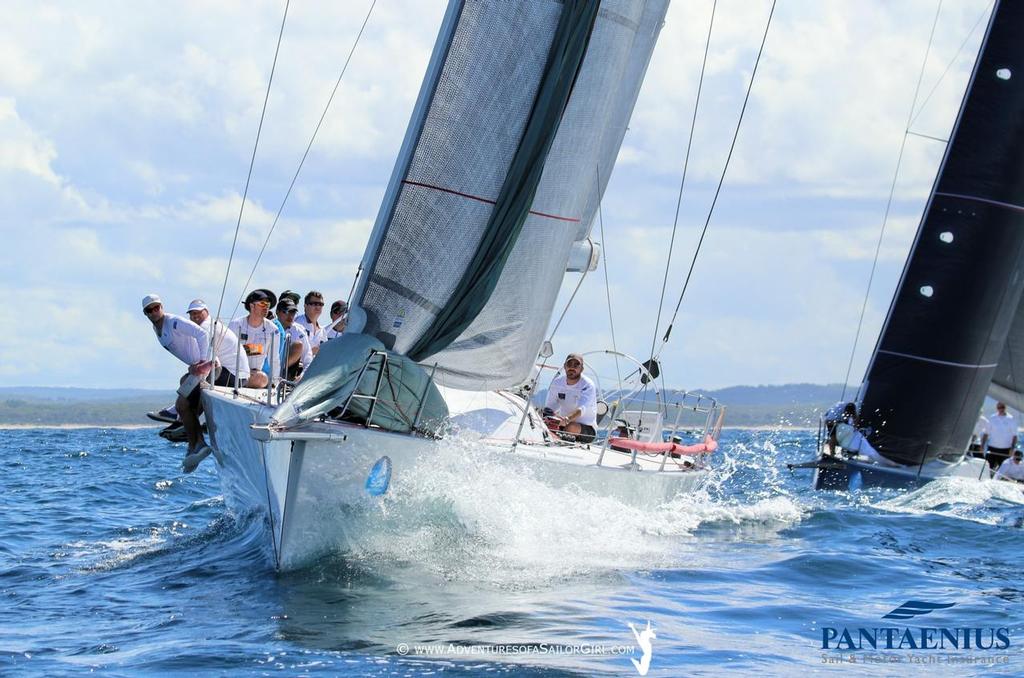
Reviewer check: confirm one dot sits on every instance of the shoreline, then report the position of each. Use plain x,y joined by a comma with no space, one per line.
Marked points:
74,426
19,427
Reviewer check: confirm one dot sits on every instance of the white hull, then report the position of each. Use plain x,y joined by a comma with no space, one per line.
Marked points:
312,483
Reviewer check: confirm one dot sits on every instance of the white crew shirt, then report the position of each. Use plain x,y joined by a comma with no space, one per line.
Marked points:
313,331
227,348
186,341
329,333
563,398
1001,430
298,333
1010,469
259,343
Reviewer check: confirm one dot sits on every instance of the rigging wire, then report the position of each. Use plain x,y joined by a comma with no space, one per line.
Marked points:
924,104
305,154
888,204
721,180
682,181
252,162
607,286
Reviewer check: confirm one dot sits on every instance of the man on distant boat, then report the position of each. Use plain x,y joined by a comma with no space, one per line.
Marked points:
231,359
840,413
300,352
339,318
979,439
1002,436
1012,469
189,343
260,338
572,400
310,319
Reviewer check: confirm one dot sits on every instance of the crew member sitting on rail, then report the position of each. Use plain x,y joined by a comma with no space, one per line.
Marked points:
572,401
259,337
189,343
300,353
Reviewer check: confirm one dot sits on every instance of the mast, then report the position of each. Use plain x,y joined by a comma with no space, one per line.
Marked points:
961,285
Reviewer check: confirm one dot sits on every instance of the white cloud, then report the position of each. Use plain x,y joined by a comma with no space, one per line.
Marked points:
126,133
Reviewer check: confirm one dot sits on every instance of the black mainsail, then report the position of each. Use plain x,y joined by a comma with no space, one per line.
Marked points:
950,318
1008,381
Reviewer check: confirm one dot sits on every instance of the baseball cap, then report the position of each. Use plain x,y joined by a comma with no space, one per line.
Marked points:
261,294
573,356
196,305
289,294
286,304
151,299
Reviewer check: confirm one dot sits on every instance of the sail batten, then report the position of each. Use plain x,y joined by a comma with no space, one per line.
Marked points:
963,281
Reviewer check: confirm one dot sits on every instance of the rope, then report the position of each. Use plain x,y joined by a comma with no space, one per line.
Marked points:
721,180
682,181
248,177
888,204
312,138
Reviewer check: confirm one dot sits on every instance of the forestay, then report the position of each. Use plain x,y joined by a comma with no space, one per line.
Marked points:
478,95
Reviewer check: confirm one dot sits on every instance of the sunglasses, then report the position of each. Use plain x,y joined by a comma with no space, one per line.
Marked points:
261,302
314,303
290,311
151,309
573,363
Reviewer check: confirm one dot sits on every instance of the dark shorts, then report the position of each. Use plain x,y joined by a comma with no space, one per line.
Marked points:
225,378
996,456
586,434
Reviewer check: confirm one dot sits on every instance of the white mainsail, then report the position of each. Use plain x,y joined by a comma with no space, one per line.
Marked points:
479,91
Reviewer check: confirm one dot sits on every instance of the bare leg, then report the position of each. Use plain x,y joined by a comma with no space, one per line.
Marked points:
193,431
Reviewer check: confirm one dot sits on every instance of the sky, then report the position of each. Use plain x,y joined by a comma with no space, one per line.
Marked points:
126,131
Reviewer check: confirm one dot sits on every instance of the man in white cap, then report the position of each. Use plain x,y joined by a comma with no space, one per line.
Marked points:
190,344
572,401
231,358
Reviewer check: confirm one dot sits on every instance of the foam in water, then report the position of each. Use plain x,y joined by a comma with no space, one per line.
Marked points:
961,498
477,513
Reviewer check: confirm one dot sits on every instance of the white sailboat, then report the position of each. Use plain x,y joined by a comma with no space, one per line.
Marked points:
490,203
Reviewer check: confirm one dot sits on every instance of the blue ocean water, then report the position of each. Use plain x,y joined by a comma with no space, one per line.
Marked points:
113,561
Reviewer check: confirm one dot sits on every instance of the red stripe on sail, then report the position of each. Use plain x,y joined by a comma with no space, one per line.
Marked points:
479,199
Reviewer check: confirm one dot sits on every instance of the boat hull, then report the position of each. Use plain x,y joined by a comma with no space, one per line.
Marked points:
834,473
312,484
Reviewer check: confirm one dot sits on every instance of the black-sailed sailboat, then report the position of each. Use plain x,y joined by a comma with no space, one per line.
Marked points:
947,339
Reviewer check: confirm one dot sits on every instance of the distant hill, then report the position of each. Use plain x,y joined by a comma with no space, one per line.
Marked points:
784,405
47,406
71,394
